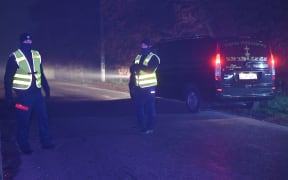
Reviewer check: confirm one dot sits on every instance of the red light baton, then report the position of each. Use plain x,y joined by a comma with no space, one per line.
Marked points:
22,107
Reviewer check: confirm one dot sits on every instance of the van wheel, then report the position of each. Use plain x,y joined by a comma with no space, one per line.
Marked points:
193,101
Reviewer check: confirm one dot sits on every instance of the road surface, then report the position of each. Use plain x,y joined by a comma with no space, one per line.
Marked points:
97,138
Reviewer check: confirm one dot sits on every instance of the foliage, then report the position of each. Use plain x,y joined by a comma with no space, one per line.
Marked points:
126,22
72,29
276,106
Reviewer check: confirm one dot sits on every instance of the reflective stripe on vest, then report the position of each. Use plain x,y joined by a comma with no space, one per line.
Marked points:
144,79
23,76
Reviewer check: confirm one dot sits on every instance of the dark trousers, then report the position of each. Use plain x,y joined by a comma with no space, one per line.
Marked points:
144,100
36,104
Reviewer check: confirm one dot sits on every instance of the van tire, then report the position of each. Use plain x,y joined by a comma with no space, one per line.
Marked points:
193,100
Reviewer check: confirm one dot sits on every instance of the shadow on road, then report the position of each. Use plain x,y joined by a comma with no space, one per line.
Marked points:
58,107
67,107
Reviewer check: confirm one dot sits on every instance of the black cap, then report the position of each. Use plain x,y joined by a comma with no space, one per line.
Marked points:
25,36
147,42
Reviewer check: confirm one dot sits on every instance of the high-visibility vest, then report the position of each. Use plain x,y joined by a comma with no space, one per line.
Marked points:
23,77
145,79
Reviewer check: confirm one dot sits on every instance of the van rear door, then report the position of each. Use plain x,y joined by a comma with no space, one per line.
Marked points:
247,69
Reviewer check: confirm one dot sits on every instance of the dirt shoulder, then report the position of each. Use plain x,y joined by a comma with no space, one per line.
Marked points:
109,85
280,119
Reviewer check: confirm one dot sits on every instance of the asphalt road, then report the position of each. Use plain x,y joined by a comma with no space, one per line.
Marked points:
97,138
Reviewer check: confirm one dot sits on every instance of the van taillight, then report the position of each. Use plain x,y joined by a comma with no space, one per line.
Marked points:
272,62
218,67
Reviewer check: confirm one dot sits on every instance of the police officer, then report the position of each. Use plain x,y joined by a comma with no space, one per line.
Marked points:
142,85
24,74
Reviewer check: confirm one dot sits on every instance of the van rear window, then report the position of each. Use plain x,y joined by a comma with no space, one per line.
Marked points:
245,54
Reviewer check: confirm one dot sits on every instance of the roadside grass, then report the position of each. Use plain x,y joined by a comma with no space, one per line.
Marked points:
274,111
119,82
276,108
113,84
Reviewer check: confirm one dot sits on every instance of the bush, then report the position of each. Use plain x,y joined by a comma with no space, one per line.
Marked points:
277,107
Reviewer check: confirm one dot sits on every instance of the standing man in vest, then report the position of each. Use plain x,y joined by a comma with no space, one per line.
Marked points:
142,85
24,74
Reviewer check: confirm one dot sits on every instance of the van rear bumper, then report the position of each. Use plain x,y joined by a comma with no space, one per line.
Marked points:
247,97
239,93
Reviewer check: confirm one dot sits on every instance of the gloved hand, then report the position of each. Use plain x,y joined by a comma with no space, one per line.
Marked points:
134,68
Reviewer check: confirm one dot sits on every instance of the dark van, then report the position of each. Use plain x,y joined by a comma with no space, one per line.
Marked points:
208,69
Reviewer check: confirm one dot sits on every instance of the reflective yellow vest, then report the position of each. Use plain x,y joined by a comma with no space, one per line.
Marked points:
144,79
23,76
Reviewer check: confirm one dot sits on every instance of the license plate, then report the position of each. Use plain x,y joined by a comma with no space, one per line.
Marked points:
247,76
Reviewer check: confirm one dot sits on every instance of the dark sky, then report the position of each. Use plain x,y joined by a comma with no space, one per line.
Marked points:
66,19
14,19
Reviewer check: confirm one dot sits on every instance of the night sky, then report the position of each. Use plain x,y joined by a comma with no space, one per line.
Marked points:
14,19
58,26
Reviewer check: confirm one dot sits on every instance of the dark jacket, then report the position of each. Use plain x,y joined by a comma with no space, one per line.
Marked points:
11,68
135,68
